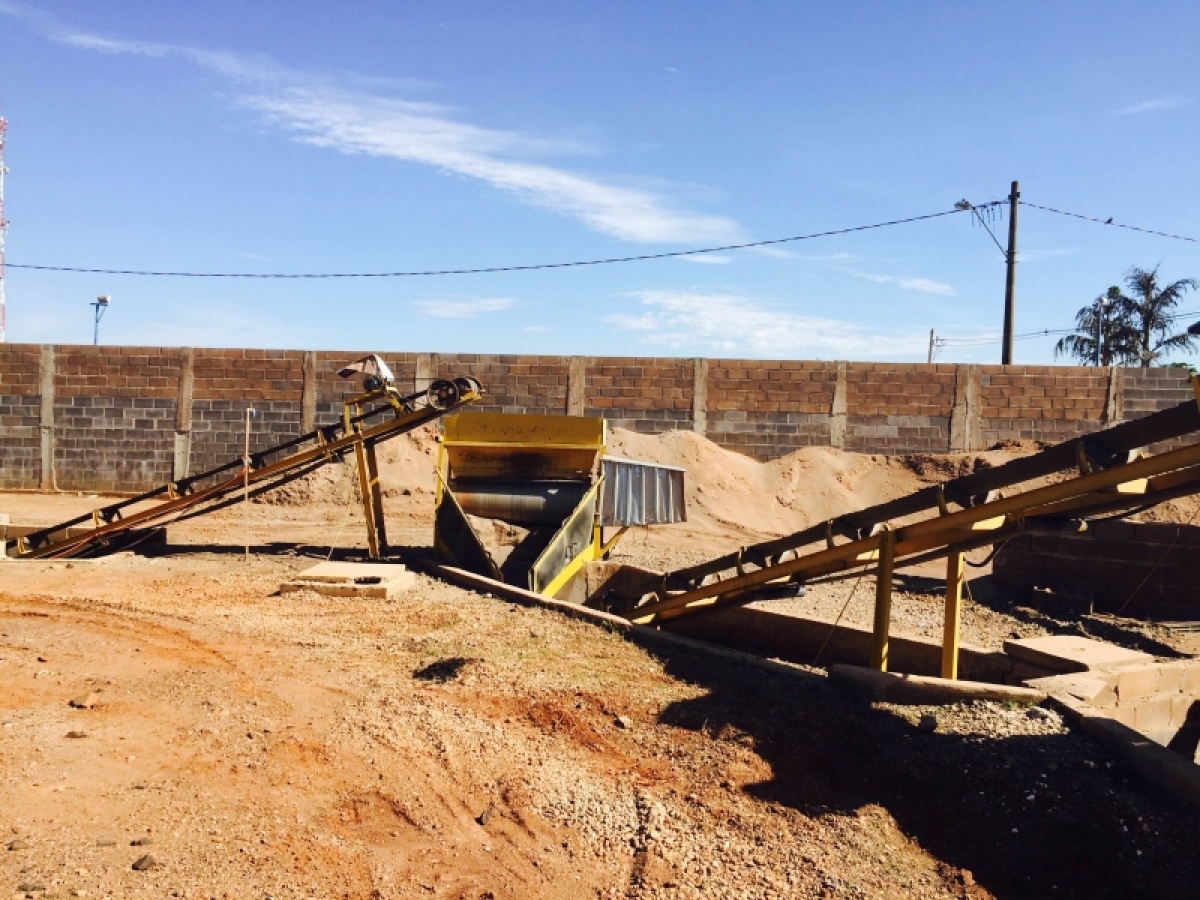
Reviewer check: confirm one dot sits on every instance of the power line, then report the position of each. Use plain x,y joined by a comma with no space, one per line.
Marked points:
1031,335
480,271
1178,237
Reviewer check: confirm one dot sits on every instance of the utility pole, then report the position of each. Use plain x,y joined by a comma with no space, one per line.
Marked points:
1010,282
930,359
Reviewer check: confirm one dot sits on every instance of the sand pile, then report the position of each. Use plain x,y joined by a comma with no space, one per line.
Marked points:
406,468
726,491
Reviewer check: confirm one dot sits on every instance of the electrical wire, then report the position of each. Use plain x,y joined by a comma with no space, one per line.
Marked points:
1061,212
1032,335
491,269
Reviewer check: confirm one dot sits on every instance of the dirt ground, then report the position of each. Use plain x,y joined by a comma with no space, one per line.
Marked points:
262,745
449,745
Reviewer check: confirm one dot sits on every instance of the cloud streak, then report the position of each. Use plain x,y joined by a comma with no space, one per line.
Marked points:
732,324
906,283
345,116
465,309
1156,104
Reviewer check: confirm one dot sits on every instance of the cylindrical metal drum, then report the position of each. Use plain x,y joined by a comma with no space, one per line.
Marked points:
520,502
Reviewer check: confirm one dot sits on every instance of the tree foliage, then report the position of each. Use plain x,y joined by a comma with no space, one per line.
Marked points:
1135,328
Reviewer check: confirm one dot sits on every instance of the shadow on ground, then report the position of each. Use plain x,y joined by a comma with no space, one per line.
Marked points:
986,592
1046,816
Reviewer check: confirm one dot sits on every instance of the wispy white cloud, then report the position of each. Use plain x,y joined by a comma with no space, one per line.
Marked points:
1037,255
775,252
733,324
465,309
536,329
708,259
353,115
1154,105
906,283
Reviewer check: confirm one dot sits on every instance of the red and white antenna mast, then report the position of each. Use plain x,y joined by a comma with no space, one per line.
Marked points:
3,229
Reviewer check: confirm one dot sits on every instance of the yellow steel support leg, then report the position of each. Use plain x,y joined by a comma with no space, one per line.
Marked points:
376,499
365,489
883,601
954,586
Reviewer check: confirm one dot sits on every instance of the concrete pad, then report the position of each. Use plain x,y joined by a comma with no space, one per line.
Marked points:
340,579
1066,653
1093,691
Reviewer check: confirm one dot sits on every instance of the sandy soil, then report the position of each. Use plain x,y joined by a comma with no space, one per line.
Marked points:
448,745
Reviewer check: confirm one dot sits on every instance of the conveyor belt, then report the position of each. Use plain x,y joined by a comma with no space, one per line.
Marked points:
115,525
959,515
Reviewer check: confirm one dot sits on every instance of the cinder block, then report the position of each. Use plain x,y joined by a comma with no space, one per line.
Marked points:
1191,680
1153,715
1180,706
1170,678
1136,683
1126,715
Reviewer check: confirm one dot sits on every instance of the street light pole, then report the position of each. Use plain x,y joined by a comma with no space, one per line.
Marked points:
101,307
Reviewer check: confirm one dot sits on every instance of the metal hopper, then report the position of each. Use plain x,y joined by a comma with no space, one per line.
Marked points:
525,498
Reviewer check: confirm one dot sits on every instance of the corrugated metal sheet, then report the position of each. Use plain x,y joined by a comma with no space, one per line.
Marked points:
641,493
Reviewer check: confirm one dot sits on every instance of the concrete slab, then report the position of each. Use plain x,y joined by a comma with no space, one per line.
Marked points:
340,579
1066,653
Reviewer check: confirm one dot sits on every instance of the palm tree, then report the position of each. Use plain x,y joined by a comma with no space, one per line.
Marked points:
1147,312
1102,335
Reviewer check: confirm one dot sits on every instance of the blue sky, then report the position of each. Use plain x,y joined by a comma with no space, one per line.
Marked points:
322,137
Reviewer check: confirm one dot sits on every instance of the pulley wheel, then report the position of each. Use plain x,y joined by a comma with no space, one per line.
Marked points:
467,385
443,394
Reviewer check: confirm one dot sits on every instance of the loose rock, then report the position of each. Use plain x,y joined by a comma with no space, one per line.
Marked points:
85,701
141,842
144,863
77,734
18,844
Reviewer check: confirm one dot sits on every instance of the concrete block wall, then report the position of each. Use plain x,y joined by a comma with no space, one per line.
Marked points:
768,408
113,416
1140,569
128,418
646,394
1046,403
20,416
514,384
899,409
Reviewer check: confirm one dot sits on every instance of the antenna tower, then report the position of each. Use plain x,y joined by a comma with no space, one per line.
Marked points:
3,229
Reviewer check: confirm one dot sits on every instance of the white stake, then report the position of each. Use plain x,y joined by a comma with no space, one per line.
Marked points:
246,483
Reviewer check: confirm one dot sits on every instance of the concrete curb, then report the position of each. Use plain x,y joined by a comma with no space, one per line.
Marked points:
638,634
919,690
1171,775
